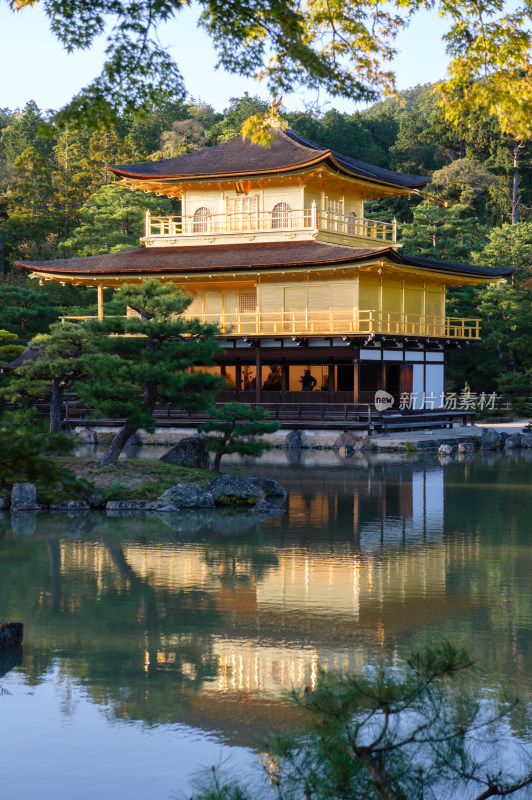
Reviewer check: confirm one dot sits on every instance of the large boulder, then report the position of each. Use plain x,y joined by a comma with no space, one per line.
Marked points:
11,634
345,444
23,497
185,495
491,440
272,489
233,490
513,441
189,452
526,440
293,441
445,450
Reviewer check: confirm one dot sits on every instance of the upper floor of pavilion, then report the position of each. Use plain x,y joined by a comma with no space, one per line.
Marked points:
239,192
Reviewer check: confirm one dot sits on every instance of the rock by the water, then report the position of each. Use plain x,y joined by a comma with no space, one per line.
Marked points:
88,436
70,505
11,634
466,447
513,441
23,497
189,452
491,440
293,441
446,450
134,440
131,505
270,488
345,444
185,495
229,490
526,440
263,507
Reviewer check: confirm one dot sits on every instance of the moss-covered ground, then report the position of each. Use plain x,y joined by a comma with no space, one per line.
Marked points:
130,479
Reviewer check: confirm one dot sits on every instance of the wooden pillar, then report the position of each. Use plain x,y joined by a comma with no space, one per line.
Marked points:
100,301
330,381
356,380
258,373
223,371
238,381
382,378
285,381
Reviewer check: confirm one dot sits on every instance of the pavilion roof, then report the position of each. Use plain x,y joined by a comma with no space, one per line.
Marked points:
152,261
238,158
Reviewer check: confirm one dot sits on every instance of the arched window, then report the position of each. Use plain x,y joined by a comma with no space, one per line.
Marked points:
281,216
202,218
352,223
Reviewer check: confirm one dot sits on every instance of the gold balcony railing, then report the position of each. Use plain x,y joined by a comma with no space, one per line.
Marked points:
285,220
329,321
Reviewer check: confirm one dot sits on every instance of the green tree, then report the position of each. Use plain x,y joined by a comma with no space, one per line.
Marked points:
9,346
25,311
31,199
54,371
71,176
137,362
113,220
443,233
233,428
404,733
22,459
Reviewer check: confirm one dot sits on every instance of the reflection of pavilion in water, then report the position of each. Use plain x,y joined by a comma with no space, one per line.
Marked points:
346,570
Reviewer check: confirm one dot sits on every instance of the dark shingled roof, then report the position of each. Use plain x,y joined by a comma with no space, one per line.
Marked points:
238,257
238,157
31,353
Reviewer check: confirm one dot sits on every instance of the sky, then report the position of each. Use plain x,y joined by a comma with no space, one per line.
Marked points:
35,67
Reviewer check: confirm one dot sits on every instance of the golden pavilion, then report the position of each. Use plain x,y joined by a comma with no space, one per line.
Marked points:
273,245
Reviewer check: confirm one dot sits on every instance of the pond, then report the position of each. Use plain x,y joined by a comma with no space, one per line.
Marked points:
155,645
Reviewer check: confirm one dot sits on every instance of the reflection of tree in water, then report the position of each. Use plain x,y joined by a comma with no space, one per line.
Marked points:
137,645
148,646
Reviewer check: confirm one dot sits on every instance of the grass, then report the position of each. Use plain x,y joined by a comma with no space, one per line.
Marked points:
130,479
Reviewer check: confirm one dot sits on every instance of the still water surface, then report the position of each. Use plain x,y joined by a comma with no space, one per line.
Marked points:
154,645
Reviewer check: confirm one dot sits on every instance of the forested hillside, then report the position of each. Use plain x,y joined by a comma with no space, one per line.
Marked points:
57,199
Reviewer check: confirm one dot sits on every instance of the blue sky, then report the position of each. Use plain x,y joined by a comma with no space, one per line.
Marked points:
35,67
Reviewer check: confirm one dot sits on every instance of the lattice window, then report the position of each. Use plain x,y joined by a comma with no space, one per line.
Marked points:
202,217
334,206
281,216
247,302
242,212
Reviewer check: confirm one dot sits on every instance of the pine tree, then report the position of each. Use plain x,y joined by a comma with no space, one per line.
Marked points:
235,427
31,199
112,220
137,362
71,177
25,311
54,372
408,732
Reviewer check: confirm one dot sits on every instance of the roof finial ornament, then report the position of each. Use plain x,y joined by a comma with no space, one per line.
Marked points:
274,120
